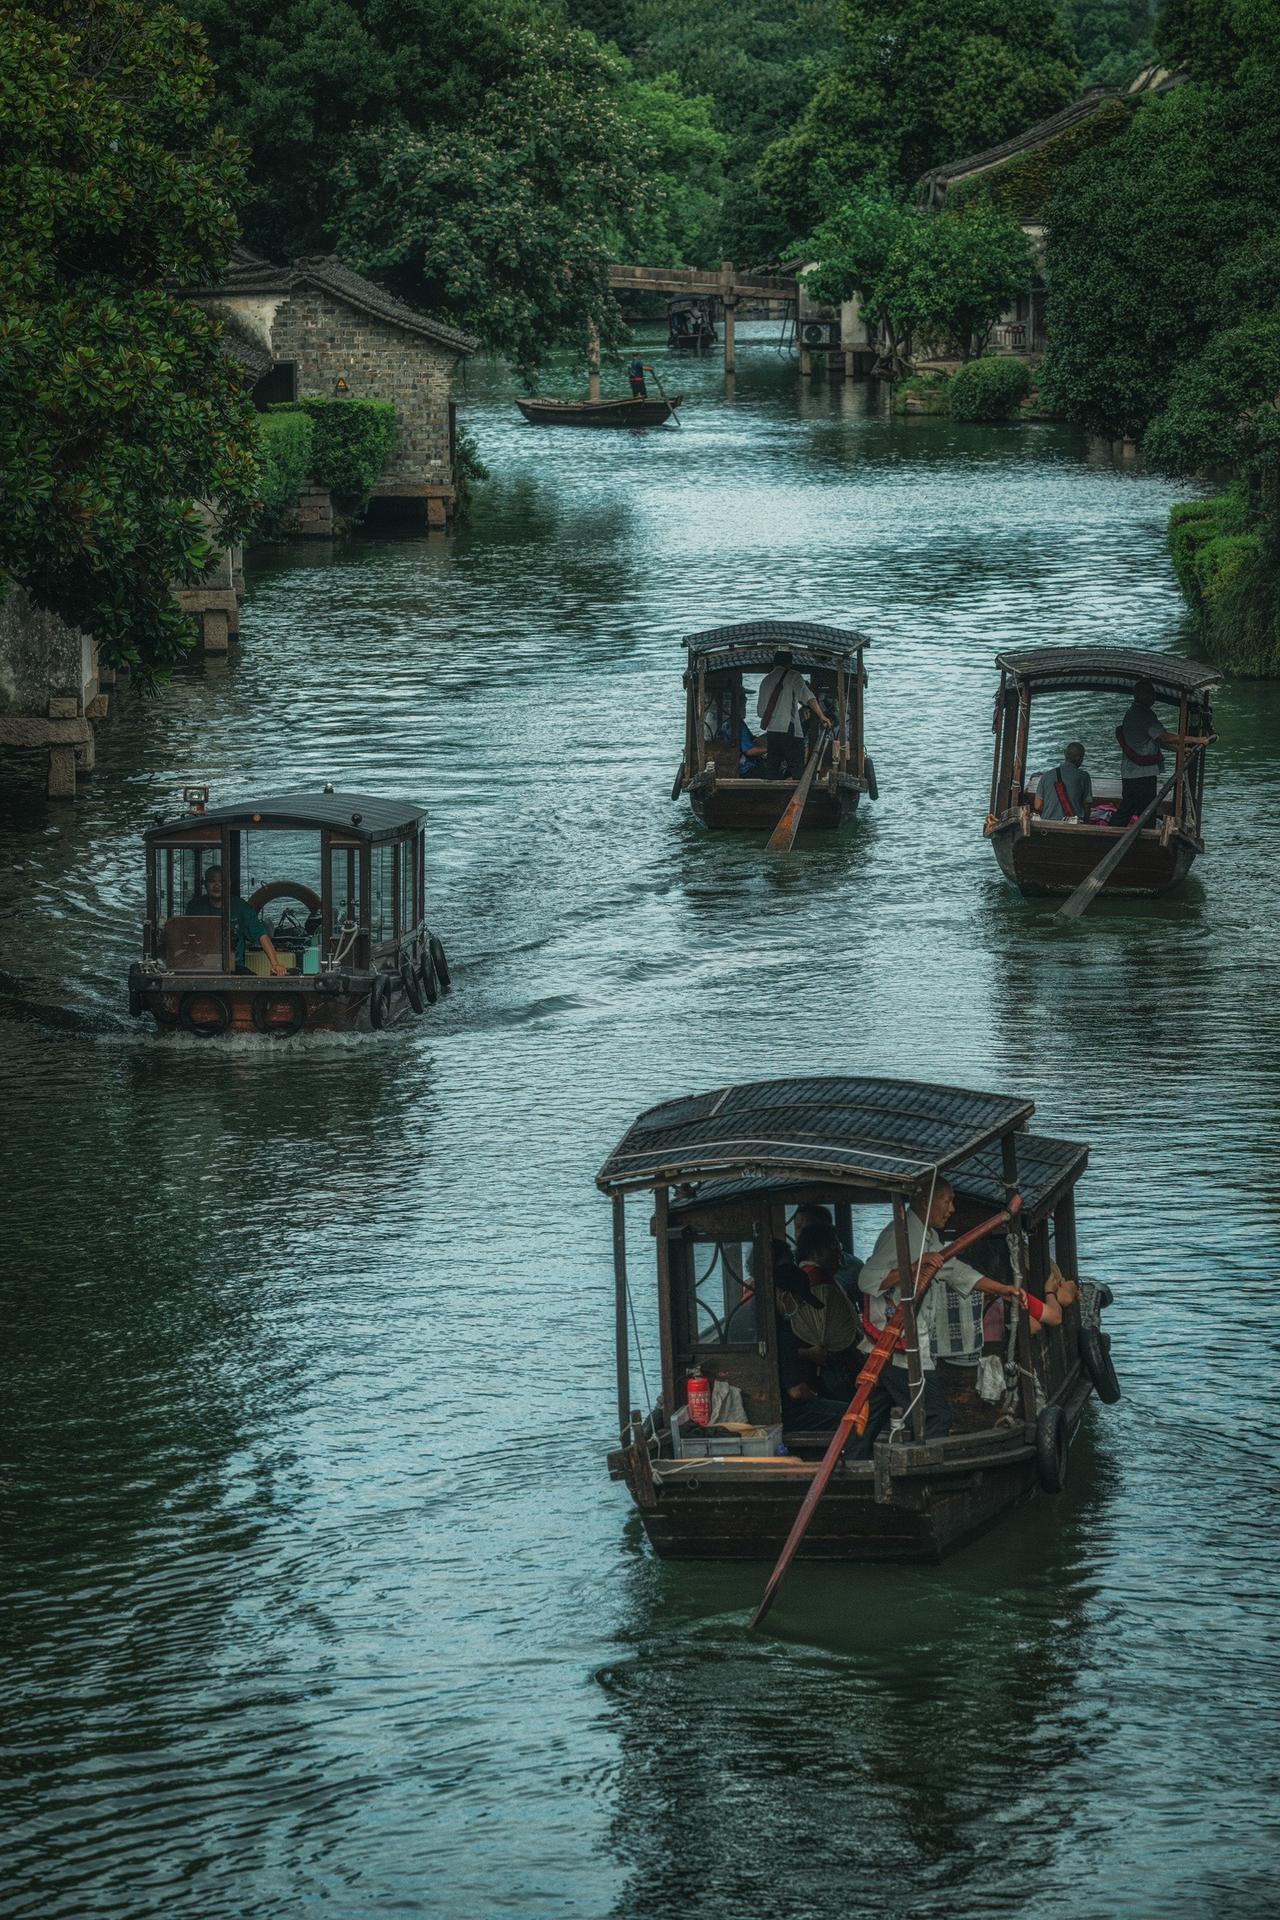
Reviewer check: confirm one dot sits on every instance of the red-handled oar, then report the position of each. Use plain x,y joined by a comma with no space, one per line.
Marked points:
854,1418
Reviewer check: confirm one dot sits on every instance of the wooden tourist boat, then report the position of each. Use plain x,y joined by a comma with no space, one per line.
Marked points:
337,880
1056,856
600,413
724,1170
718,704
690,326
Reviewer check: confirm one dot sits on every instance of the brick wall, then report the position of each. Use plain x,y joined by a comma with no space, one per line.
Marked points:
329,339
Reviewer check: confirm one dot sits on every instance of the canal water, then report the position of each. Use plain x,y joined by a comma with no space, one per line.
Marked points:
315,1597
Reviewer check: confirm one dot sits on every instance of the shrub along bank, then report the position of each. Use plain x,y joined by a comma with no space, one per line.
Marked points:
1228,579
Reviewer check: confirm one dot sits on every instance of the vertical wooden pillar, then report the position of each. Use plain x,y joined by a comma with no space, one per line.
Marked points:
1018,1265
1180,761
621,1345
844,1224
997,746
593,363
906,1268
662,1234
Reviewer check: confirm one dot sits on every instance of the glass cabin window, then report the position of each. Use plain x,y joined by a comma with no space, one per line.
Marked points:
344,887
408,853
180,875
722,1293
382,894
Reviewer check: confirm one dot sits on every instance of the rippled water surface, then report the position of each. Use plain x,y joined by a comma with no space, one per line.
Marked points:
315,1596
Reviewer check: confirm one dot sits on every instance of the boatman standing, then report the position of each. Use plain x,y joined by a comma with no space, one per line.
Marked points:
1140,736
784,698
635,374
949,1322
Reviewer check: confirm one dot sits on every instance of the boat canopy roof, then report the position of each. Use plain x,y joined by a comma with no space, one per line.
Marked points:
364,816
1046,1170
753,643
883,1134
1059,669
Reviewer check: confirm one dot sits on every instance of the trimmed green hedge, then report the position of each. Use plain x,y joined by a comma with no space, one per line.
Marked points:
284,460
992,388
352,441
1223,572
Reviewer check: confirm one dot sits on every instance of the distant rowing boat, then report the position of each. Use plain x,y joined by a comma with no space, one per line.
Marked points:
599,413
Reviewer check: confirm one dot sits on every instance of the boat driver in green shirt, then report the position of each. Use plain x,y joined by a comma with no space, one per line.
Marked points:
245,924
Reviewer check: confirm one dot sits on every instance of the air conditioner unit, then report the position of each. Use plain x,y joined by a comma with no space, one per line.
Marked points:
820,333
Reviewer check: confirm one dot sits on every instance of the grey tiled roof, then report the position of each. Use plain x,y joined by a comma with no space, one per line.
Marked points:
248,273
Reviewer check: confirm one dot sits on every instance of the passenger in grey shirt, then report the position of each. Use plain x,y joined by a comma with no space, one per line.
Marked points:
1068,781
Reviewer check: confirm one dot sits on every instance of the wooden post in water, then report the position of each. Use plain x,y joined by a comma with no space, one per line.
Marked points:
593,363
907,1273
729,305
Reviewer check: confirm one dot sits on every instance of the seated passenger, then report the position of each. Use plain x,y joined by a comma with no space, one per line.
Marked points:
1067,792
821,1314
810,1214
245,924
949,1321
805,1408
751,754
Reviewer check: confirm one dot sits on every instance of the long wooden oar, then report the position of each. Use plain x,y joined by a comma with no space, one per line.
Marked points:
1088,890
679,782
854,1418
673,413
783,835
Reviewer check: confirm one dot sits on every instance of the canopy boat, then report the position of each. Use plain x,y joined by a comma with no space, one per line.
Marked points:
725,1170
334,881
690,326
718,706
599,413
1056,856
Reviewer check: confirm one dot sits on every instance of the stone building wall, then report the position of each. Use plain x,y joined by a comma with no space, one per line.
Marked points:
330,340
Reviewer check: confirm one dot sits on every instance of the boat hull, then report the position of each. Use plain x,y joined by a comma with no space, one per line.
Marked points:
222,1006
599,413
756,806
931,1504
1053,859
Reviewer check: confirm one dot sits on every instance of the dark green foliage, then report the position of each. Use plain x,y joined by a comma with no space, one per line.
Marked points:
284,461
921,82
118,410
1157,240
933,280
468,470
992,388
1112,38
927,393
1025,186
352,440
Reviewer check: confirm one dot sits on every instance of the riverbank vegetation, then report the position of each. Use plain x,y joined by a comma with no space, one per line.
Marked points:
118,410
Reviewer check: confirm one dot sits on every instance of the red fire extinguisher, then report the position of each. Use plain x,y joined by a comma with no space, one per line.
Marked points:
698,1390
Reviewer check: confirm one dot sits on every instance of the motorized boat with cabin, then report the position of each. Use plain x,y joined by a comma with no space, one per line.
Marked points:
1042,856
719,705
338,881
725,1170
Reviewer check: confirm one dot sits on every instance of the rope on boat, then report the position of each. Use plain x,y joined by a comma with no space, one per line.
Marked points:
653,1438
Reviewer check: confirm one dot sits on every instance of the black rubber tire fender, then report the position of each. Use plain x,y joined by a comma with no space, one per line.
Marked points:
380,1002
1051,1449
297,1009
1095,1356
439,962
412,984
427,977
869,775
135,991
205,1029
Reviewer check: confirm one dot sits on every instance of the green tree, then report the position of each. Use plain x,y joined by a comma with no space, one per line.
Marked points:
1112,38
930,279
921,82
675,219
505,224
1157,241
118,411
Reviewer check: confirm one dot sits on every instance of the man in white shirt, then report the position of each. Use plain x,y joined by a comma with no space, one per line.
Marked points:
1140,736
1067,792
949,1319
782,702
